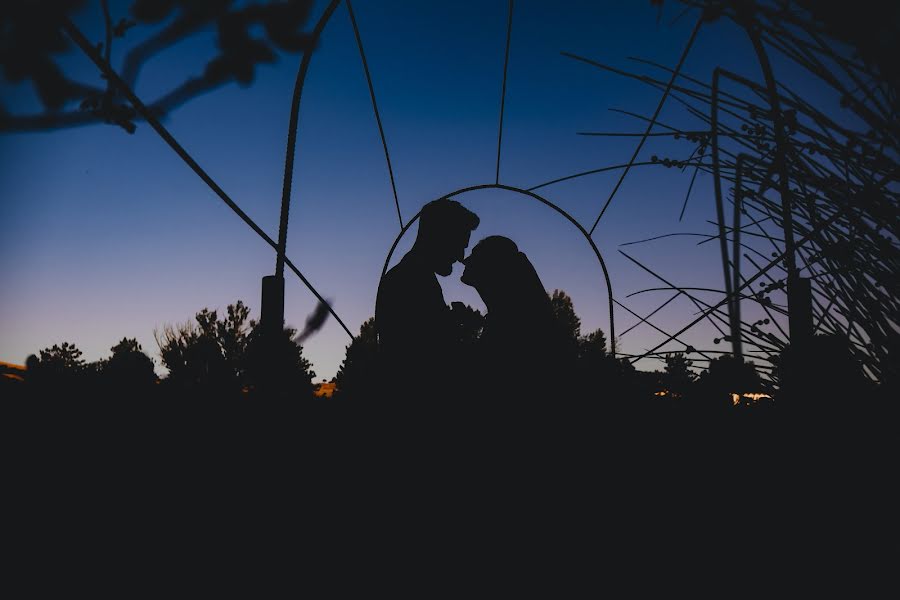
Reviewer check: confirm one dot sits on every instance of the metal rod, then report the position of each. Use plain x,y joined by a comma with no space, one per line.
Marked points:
387,155
503,89
659,107
292,139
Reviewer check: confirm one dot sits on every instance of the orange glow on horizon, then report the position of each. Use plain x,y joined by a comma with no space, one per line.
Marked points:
325,390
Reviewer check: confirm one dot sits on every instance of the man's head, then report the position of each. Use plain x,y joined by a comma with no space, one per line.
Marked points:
444,230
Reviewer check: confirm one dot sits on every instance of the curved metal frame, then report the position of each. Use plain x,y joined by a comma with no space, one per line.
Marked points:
544,201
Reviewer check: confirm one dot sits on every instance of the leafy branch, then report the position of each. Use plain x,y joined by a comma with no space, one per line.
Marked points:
31,36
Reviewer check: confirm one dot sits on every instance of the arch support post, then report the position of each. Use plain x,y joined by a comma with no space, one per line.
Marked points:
272,307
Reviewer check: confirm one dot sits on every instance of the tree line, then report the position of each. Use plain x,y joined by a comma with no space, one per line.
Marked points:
228,355
825,377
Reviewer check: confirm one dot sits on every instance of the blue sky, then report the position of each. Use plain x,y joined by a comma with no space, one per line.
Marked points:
106,234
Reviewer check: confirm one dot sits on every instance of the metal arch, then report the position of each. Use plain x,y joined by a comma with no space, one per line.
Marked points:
288,178
545,202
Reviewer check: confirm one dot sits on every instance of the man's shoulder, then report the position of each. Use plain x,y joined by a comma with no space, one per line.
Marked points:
406,277
406,268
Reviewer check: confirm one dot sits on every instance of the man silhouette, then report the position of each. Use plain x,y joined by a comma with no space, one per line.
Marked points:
415,331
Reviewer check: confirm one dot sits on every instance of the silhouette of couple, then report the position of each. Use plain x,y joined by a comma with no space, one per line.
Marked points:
422,354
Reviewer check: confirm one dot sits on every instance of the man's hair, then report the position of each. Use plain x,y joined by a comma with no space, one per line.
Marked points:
442,216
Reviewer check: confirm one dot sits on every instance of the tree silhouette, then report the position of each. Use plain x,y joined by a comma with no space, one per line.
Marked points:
193,356
727,375
599,381
677,378
468,324
232,334
57,370
232,355
274,365
357,376
62,359
129,369
568,322
592,347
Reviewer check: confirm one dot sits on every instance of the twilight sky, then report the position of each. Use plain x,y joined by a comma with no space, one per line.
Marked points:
105,235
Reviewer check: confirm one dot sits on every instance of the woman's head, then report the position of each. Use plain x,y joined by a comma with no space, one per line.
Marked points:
502,274
488,260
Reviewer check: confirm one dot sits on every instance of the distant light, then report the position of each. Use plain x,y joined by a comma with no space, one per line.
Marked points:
324,390
755,397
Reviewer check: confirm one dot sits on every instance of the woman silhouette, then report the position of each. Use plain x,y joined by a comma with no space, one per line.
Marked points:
521,352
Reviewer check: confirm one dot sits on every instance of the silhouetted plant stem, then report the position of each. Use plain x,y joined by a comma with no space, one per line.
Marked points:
746,284
645,320
673,286
720,211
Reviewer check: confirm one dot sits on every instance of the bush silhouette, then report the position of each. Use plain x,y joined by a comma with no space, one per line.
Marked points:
129,369
233,355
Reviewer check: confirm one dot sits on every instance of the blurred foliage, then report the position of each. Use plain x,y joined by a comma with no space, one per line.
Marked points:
32,36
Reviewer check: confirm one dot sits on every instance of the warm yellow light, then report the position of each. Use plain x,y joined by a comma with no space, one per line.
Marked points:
325,390
755,397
